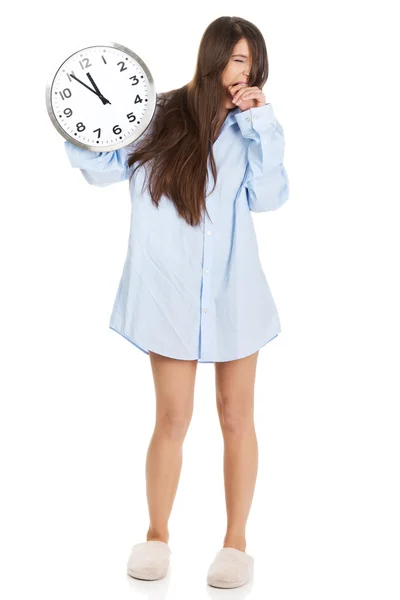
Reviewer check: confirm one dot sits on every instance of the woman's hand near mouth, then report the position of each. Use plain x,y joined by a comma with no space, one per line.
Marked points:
246,97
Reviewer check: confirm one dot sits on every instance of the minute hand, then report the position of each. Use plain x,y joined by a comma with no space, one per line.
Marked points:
102,98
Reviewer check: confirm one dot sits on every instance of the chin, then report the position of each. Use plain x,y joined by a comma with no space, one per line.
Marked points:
229,104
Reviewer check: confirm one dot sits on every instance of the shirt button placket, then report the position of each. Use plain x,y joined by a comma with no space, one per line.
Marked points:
206,296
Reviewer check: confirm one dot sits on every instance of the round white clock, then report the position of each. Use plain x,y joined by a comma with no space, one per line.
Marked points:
101,97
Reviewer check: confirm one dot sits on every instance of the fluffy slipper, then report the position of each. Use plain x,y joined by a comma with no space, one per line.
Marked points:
230,568
149,560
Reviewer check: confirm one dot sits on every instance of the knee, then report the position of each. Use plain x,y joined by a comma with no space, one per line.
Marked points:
173,425
236,417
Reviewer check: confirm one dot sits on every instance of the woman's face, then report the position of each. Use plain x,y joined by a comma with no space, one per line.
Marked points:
237,70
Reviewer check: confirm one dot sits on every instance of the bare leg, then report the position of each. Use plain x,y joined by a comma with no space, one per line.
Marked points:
174,387
235,382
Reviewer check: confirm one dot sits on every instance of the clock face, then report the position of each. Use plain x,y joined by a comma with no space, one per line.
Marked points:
102,97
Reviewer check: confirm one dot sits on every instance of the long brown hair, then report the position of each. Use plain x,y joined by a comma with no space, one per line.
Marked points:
186,120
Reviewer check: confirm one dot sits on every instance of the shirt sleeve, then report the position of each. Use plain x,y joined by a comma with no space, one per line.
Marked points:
266,180
99,168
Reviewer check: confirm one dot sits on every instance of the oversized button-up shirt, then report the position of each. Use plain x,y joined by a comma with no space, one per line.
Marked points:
200,292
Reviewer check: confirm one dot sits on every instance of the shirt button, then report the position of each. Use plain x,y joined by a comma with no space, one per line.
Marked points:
247,118
208,232
207,271
205,309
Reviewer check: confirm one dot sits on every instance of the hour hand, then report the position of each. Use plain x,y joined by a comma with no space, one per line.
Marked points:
88,75
105,101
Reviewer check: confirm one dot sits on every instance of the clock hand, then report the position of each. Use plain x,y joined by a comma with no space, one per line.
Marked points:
104,100
81,82
93,83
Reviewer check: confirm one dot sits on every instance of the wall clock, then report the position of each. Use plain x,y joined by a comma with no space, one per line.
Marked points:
102,97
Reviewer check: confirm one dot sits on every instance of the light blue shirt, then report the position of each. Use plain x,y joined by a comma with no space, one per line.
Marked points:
200,292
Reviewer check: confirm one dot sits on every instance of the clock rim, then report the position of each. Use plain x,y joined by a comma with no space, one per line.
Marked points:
144,123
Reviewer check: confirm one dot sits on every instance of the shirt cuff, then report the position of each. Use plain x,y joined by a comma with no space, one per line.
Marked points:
260,118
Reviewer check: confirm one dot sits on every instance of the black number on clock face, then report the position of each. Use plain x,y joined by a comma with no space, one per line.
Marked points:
116,129
123,66
87,65
135,80
72,73
65,94
138,99
67,112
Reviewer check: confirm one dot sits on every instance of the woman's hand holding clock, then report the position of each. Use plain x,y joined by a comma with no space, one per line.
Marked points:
247,97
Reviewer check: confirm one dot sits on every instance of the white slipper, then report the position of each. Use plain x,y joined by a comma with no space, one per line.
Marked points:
149,560
230,568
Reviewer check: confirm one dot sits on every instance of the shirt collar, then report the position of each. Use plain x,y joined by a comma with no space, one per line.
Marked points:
230,119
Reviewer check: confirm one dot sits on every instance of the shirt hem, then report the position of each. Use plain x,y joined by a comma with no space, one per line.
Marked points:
200,360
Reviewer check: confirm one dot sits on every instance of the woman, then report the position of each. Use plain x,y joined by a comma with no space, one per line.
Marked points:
192,288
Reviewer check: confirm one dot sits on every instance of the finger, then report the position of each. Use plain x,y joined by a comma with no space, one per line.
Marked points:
244,90
251,95
236,86
234,90
238,96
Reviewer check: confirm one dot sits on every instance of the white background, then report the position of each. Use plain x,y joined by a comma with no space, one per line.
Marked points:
77,399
